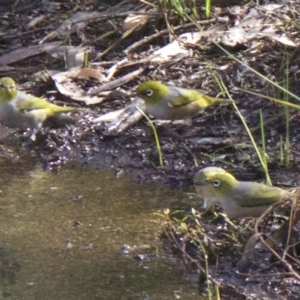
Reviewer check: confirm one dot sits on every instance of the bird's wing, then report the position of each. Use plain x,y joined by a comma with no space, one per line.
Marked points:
27,102
181,97
256,194
185,97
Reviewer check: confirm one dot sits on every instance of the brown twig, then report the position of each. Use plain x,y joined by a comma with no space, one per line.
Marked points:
260,236
161,33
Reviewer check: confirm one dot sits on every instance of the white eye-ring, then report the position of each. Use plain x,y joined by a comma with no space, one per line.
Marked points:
216,183
149,93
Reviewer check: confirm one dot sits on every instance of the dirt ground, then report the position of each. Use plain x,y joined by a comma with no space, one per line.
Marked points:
216,137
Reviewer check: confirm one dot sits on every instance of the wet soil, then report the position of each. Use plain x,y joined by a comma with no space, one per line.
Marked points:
216,137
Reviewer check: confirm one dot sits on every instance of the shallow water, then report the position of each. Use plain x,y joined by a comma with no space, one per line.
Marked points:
62,235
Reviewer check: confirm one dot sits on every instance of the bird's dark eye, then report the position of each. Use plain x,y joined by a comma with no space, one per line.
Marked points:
216,183
149,93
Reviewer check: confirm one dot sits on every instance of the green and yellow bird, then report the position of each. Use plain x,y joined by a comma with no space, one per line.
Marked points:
21,110
168,102
237,198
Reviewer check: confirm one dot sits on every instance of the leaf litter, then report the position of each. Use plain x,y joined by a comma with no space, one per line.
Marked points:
95,55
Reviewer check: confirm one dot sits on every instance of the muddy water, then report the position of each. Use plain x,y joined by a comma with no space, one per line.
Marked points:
62,236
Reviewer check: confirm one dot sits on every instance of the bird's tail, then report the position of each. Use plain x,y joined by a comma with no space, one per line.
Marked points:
218,100
54,109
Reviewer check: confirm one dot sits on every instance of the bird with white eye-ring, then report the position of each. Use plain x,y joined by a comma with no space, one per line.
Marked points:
21,110
237,198
169,102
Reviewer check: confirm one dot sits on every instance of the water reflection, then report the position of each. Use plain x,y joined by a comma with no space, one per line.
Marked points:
61,236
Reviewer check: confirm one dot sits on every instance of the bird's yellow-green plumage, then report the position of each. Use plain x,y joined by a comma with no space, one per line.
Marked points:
8,89
169,102
20,110
237,198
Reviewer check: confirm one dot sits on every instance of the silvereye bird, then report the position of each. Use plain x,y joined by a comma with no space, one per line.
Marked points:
237,198
168,102
20,110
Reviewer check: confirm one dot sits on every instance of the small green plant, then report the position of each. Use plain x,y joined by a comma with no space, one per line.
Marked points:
200,242
181,7
284,144
160,157
264,155
207,8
